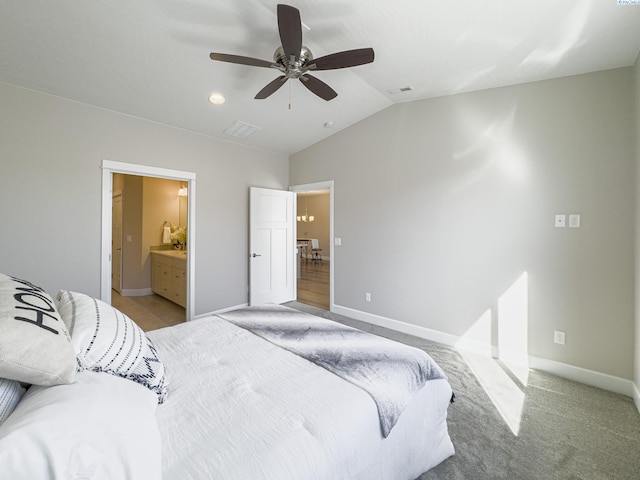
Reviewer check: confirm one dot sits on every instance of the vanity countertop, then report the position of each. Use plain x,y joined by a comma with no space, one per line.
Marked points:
171,253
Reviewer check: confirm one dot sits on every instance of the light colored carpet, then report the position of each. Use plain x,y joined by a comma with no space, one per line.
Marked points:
554,428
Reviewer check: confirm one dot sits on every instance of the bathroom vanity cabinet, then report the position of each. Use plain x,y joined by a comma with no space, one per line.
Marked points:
169,275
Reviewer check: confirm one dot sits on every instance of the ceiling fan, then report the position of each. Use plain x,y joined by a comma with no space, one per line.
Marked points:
295,61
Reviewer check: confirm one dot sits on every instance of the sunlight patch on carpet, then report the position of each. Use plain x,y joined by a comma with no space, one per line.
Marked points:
503,378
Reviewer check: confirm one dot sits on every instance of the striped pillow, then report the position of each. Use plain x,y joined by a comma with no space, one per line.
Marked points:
10,394
106,340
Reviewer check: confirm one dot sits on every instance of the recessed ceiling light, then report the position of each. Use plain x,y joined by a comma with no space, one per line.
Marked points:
216,99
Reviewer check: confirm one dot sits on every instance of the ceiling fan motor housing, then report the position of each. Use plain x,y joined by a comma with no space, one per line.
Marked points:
295,69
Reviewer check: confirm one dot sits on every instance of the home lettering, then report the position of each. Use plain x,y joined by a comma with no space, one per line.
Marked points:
33,299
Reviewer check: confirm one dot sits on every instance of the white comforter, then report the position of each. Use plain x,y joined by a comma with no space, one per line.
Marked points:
241,408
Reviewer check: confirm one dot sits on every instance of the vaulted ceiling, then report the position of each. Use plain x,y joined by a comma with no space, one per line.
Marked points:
150,58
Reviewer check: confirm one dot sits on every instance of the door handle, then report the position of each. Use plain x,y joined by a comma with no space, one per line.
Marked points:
254,255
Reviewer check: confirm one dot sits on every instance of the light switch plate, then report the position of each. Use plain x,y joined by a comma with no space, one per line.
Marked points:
337,241
561,221
574,221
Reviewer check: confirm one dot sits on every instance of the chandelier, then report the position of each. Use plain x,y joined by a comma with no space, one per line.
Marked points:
306,217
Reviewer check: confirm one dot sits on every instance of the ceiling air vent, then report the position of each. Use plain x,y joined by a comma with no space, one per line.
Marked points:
400,90
240,129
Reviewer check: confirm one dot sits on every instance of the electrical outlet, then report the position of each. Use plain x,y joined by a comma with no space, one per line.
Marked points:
367,297
558,337
560,221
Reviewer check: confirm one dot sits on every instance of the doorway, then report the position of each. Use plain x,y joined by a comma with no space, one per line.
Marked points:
147,271
314,223
186,180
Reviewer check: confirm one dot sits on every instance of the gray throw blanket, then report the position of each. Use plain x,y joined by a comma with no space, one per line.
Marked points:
389,371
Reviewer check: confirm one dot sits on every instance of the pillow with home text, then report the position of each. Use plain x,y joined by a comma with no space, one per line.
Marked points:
35,346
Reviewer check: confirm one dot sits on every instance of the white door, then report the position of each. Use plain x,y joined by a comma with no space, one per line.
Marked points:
116,243
272,276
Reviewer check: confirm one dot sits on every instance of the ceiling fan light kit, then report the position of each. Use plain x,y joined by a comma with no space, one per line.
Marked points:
295,61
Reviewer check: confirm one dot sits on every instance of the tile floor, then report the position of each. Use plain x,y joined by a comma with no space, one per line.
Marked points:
150,312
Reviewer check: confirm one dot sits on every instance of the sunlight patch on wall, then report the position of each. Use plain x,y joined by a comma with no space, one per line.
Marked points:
492,149
513,327
478,337
502,379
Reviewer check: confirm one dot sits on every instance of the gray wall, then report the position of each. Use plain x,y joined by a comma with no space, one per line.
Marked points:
443,204
51,151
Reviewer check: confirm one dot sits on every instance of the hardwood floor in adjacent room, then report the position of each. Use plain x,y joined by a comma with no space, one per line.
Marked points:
150,312
313,284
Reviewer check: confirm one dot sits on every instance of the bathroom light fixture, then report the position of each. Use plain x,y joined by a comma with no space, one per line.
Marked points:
306,217
183,191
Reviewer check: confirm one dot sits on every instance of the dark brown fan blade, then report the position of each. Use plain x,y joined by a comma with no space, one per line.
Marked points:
318,87
271,88
348,58
290,29
255,62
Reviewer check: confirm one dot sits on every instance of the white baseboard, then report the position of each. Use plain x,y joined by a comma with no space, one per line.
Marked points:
136,292
422,332
215,312
582,375
578,374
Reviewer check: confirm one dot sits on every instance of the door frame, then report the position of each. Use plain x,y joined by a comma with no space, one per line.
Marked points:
115,194
108,169
326,185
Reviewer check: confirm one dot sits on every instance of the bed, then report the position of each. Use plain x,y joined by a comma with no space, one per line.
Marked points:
208,399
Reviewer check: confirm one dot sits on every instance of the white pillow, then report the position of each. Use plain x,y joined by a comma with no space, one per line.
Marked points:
100,427
34,345
10,394
106,340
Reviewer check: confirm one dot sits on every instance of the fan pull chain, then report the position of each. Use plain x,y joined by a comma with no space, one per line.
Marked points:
289,95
